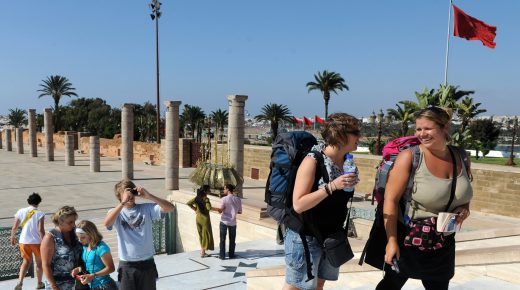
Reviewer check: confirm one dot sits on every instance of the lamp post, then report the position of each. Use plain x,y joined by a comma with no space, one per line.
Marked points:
155,5
380,117
510,161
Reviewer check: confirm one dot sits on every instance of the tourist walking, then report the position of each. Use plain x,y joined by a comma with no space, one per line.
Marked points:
96,257
61,250
202,206
230,206
323,205
133,222
441,183
31,222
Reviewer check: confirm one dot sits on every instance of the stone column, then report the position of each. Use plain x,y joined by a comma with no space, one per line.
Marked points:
236,134
1,136
32,133
8,140
171,166
94,154
19,140
127,141
49,134
69,150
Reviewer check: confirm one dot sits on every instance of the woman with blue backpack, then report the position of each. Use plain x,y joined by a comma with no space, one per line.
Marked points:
441,183
319,199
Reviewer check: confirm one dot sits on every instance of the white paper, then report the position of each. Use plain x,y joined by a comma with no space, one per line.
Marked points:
447,222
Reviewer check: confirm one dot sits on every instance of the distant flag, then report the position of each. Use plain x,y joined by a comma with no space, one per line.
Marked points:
307,121
471,28
297,121
319,120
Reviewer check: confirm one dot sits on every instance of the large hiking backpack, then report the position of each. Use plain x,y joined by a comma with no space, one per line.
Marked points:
374,254
288,151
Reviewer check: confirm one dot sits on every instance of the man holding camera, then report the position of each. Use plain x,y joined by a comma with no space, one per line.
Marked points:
133,223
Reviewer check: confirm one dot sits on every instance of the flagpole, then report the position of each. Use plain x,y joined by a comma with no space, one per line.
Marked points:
447,45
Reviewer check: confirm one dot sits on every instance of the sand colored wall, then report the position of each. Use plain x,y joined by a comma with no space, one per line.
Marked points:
187,238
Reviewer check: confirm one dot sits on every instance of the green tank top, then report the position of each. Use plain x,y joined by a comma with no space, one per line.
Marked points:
431,194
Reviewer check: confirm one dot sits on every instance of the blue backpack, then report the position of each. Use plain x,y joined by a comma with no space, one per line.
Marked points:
288,151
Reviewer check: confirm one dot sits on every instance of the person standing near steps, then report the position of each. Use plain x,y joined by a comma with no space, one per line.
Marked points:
133,223
230,206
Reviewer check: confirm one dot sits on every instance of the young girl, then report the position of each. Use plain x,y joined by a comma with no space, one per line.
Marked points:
96,257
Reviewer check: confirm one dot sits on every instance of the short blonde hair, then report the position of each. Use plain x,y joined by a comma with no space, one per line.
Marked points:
63,213
91,230
120,187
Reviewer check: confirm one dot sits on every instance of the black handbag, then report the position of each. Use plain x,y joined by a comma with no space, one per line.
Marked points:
337,249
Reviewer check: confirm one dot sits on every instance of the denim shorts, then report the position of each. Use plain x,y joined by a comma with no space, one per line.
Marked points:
296,267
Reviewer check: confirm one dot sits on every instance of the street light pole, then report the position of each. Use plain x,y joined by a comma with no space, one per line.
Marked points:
155,5
510,161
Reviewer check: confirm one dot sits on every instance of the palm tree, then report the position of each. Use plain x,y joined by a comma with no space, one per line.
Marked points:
448,96
274,114
221,119
327,82
467,110
17,118
403,114
193,117
56,86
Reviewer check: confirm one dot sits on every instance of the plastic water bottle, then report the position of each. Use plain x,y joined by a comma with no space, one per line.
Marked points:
349,167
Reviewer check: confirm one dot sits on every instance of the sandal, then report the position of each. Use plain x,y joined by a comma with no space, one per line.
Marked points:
40,285
204,255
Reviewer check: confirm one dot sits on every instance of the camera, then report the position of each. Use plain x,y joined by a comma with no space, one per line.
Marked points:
134,191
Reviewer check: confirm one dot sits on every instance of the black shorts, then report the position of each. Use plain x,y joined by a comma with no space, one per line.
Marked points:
137,275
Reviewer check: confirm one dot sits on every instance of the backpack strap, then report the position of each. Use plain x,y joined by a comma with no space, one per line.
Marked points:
321,172
27,217
465,161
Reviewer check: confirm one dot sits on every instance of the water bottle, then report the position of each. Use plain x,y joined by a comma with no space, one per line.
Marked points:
349,167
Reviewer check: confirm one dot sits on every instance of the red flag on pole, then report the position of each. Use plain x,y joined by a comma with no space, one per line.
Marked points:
307,121
297,121
319,120
471,28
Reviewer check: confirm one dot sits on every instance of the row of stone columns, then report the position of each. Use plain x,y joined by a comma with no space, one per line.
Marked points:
49,141
235,140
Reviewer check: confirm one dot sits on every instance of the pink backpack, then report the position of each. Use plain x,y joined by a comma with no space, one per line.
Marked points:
390,152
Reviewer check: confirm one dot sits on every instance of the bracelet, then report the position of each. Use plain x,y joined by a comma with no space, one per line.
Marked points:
335,187
327,190
95,275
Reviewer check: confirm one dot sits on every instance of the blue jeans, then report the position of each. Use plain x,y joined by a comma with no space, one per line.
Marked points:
296,267
232,236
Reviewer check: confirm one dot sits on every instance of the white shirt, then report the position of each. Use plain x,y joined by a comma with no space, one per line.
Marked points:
30,233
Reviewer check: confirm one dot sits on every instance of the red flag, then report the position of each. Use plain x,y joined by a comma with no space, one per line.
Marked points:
471,28
307,121
297,121
319,120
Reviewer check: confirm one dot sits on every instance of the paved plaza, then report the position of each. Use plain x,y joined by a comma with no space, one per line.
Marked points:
92,195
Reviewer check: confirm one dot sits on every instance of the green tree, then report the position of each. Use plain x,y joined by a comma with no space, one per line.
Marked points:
220,117
327,82
56,87
92,115
484,133
144,125
193,118
274,114
404,115
17,117
466,111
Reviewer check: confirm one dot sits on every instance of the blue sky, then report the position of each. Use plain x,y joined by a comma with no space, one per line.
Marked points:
268,50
